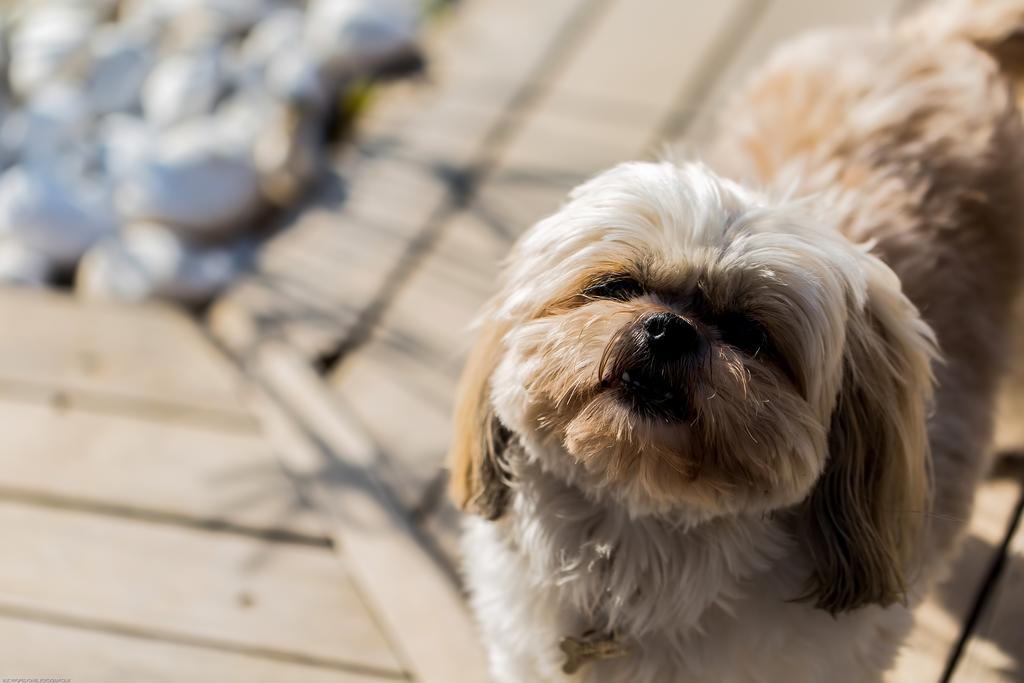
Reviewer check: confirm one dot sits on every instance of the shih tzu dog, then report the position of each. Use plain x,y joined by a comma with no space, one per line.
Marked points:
726,425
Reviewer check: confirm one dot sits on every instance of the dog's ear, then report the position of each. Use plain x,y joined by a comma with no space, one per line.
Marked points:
864,519
479,472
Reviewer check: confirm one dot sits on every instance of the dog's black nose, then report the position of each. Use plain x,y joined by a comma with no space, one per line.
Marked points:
670,337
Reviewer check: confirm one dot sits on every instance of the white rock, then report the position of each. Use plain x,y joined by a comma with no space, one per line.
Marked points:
352,37
198,27
204,23
286,142
55,117
49,40
121,59
181,271
20,265
241,118
182,86
151,14
274,56
295,78
236,16
195,182
10,141
152,261
5,23
108,272
279,31
126,142
55,217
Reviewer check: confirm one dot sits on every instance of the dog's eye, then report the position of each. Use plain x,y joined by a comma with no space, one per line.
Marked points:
742,331
618,287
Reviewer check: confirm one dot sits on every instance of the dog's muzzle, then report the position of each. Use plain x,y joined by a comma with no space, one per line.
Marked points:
654,364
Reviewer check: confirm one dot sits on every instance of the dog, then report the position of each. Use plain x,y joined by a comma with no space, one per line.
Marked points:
724,420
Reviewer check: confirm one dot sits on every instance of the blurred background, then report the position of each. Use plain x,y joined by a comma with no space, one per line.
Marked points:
241,244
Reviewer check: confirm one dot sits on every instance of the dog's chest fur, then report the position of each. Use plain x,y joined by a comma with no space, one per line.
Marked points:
706,602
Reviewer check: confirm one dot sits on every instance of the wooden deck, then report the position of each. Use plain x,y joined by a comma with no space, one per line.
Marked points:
258,496
151,532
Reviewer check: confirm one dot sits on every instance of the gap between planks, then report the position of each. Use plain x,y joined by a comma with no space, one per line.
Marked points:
162,517
92,656
136,632
62,397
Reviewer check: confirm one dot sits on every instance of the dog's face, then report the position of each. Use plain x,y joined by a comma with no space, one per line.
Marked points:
679,343
676,343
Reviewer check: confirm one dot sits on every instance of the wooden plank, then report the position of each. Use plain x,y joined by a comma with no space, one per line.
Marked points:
230,591
413,365
37,650
313,282
399,189
170,470
415,356
941,617
609,103
422,397
417,603
995,651
620,85
139,357
485,62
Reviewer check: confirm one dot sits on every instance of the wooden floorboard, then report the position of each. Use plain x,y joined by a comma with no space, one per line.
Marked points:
111,357
415,355
153,469
994,652
143,508
617,89
282,601
38,649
